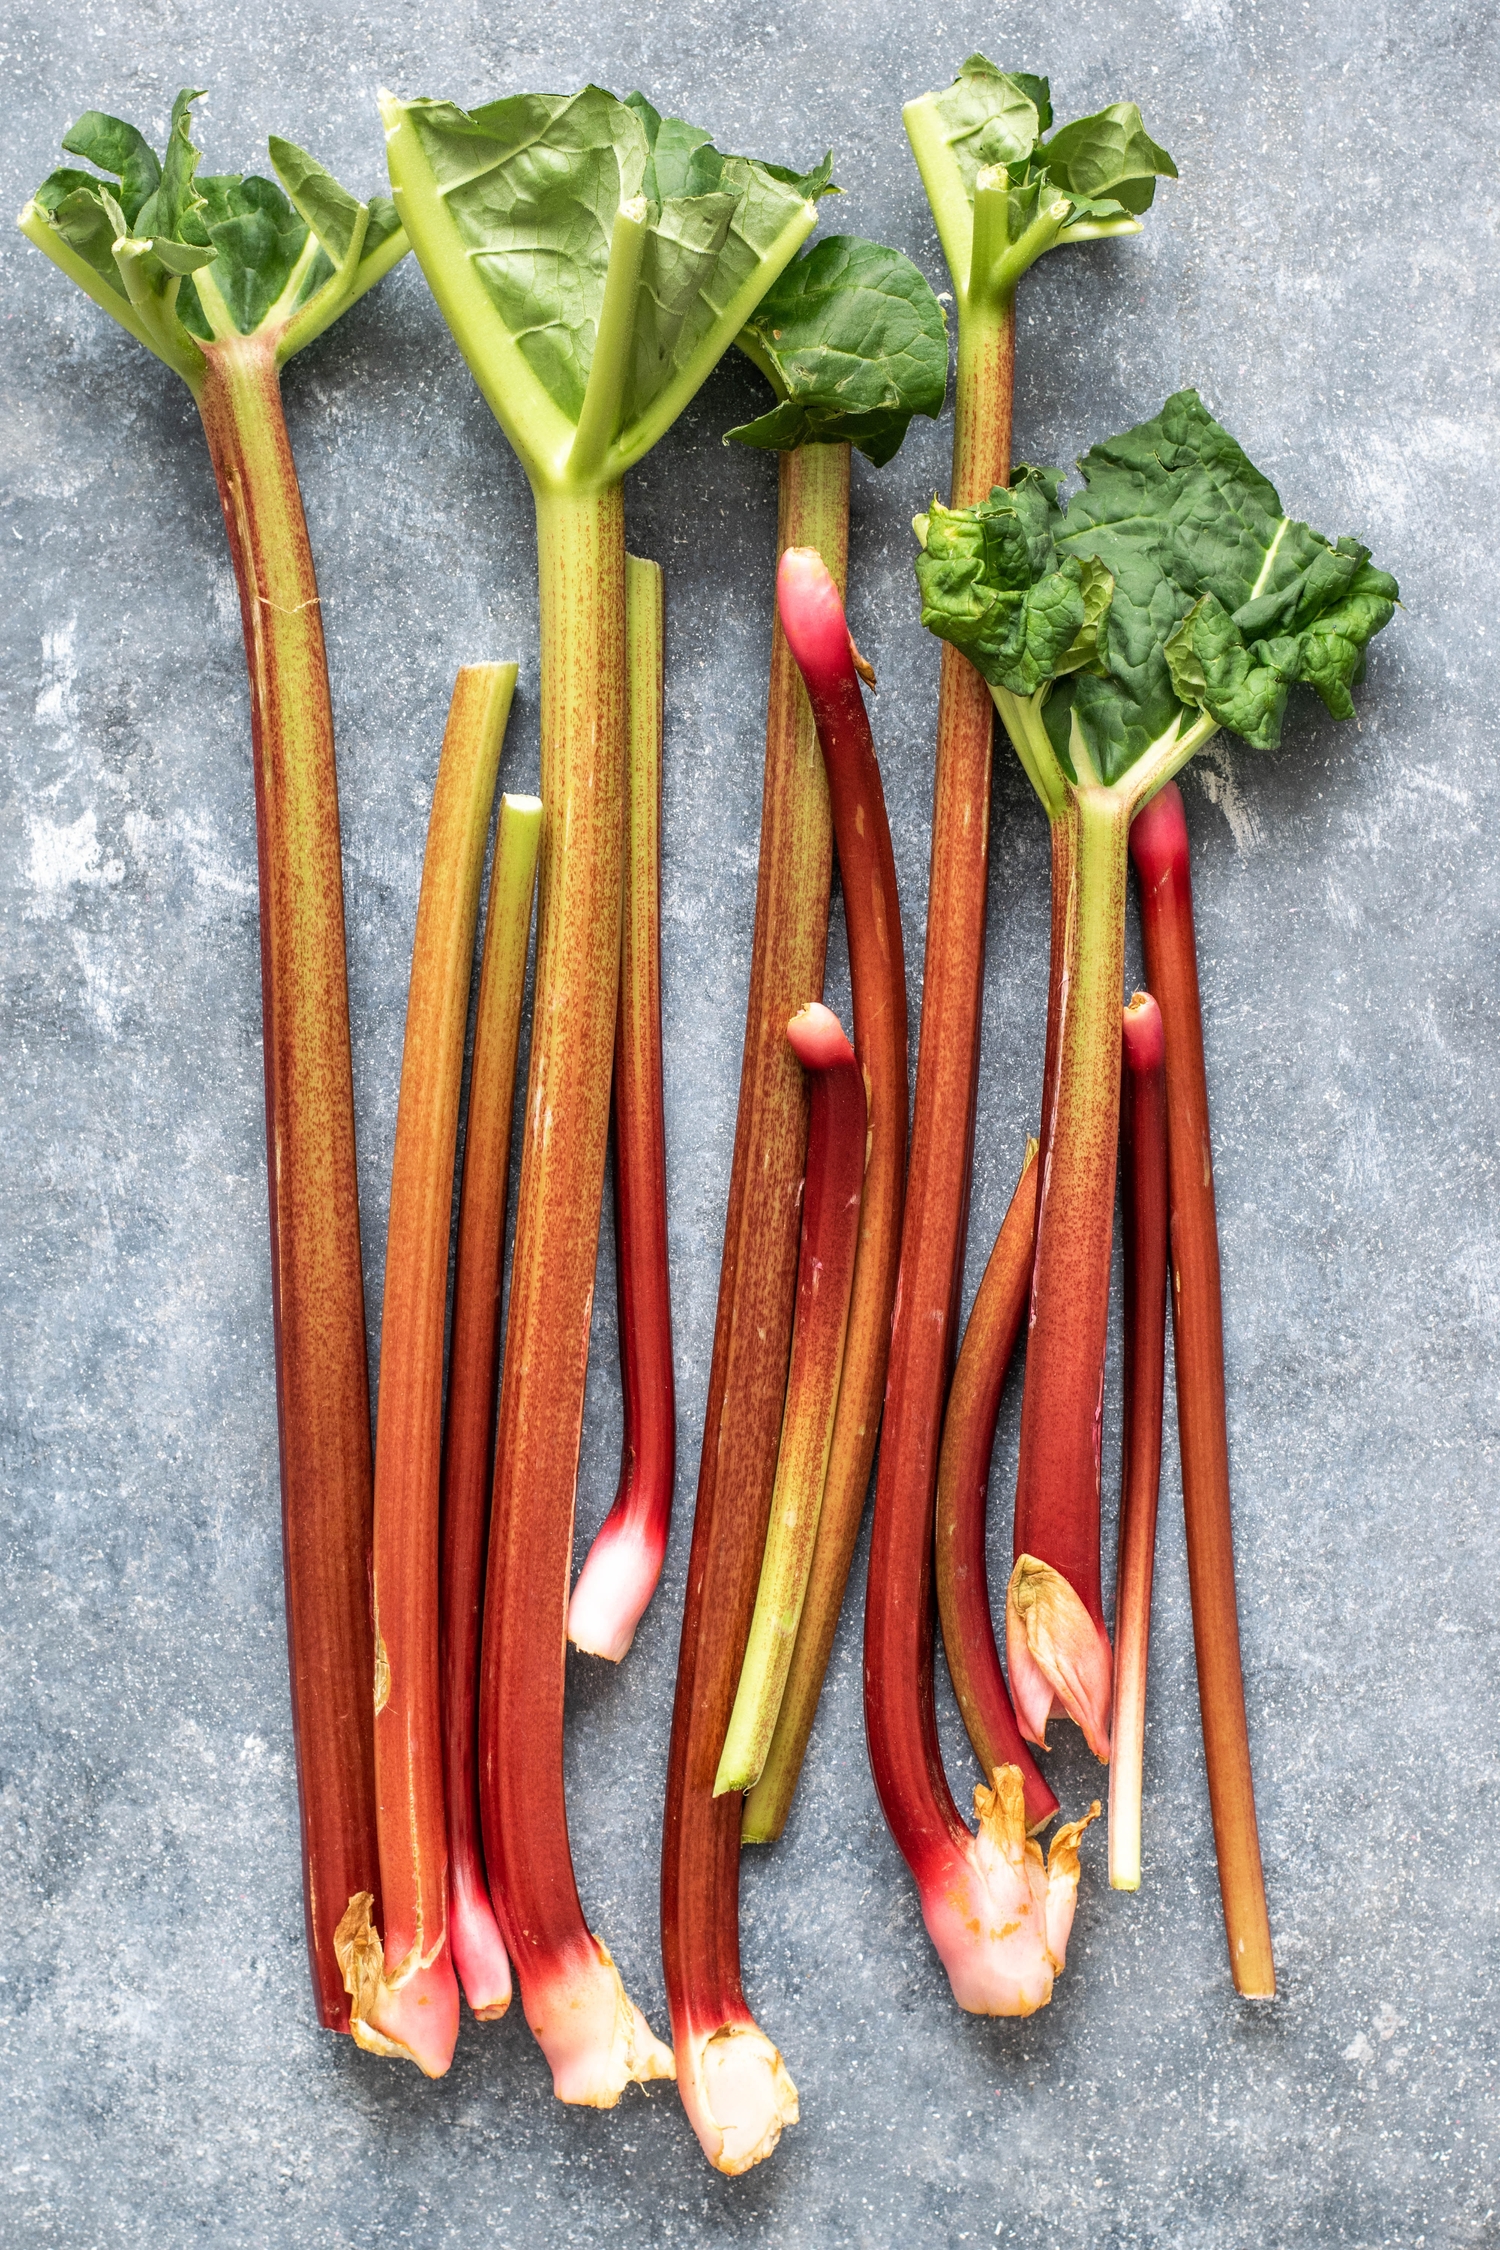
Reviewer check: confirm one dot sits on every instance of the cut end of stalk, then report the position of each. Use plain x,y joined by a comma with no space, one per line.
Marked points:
593,2035
1056,1655
615,1585
737,2094
409,2017
998,1913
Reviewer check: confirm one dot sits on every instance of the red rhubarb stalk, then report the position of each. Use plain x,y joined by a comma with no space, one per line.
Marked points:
1143,1152
733,2083
624,1563
473,1368
836,1143
401,1980
963,1586
1159,846
812,616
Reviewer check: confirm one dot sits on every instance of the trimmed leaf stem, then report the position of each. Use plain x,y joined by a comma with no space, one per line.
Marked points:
963,1586
1159,846
593,2036
473,1369
405,1995
813,618
624,1563
317,1287
832,1189
1143,1154
733,2083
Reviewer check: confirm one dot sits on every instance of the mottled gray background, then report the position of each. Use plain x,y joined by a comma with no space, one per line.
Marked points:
1326,272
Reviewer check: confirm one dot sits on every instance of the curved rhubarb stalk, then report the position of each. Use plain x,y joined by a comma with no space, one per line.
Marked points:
832,1189
1159,847
812,617
473,1368
623,1565
733,2083
963,1586
404,1991
1143,1151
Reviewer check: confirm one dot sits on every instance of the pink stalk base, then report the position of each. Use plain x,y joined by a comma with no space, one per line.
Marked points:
999,1917
615,1584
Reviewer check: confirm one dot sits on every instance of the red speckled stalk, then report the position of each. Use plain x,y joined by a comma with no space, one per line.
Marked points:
1160,849
404,1990
1143,1164
624,1563
473,1368
317,1287
733,2085
963,1587
813,618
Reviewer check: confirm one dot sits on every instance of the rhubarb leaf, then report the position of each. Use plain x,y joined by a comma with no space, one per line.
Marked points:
1109,155
993,583
110,145
855,343
990,116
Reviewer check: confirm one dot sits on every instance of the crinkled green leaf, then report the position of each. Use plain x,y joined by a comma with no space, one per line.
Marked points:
111,145
1109,155
330,210
533,185
991,116
81,219
175,197
856,342
811,186
994,584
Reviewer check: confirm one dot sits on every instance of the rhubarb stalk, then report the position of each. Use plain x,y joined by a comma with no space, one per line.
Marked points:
1001,198
624,1563
962,1572
594,263
812,617
185,267
1159,847
401,1977
1143,1154
473,1370
832,1189
733,2083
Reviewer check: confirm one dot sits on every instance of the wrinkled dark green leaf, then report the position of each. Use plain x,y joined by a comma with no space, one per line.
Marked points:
111,145
993,583
857,343
175,196
330,210
1109,155
991,116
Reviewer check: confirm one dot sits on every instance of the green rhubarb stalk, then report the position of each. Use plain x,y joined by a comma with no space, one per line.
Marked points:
224,278
593,261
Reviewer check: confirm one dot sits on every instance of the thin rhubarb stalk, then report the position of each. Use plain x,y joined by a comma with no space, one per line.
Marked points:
1143,1153
834,1183
1159,847
733,2083
591,301
401,1977
812,616
963,1585
624,1563
228,328
473,1370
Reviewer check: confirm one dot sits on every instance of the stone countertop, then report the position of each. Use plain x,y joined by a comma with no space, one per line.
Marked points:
1326,274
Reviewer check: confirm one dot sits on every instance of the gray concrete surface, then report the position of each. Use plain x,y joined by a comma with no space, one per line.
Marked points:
1326,273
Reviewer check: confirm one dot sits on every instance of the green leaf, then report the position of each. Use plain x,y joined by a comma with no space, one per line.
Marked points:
992,583
811,186
385,220
856,344
1109,155
80,218
990,116
174,197
111,145
330,210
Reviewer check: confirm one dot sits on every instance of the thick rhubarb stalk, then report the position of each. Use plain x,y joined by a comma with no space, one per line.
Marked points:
733,2083
1143,1154
473,1370
834,1184
963,1585
593,2036
401,1980
812,616
317,1286
1159,847
624,1563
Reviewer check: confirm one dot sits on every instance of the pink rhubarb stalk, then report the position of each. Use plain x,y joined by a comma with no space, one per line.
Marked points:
401,1980
1143,1154
473,1369
833,1187
624,1563
1159,847
963,1586
812,617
